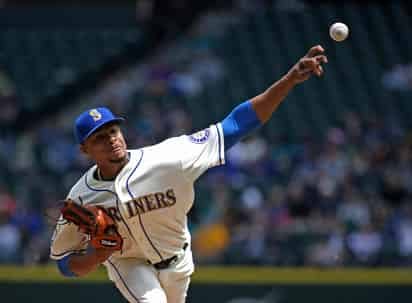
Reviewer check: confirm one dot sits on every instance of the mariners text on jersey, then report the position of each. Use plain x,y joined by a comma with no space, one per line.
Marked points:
146,203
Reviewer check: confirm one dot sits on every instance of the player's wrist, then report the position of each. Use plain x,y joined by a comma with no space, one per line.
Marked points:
291,78
102,254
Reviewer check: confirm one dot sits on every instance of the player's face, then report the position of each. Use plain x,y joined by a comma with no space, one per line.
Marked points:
106,145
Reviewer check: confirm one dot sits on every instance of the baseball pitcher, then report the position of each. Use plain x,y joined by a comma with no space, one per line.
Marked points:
129,211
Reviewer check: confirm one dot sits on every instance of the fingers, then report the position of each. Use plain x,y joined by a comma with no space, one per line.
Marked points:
307,64
312,65
321,59
318,70
314,50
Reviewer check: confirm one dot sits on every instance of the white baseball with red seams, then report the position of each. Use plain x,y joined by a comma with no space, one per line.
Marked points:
339,31
149,199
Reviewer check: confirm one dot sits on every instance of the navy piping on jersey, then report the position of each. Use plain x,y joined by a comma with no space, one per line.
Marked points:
220,145
140,217
117,204
63,263
123,281
70,252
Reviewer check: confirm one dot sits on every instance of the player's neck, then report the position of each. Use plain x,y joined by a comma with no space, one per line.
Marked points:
109,172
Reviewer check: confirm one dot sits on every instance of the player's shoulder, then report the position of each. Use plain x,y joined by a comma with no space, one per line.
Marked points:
80,187
196,137
166,144
204,136
174,145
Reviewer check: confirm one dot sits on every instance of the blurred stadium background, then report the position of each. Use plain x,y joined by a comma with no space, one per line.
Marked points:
327,183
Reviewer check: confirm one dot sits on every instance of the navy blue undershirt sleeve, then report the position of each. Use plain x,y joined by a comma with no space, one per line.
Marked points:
63,266
240,122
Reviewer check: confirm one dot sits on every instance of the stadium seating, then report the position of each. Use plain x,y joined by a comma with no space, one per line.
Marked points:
264,46
258,50
42,60
253,51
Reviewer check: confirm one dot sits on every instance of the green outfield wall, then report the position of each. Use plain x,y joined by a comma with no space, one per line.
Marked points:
221,285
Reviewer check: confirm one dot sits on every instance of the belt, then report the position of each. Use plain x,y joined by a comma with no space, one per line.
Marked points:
167,262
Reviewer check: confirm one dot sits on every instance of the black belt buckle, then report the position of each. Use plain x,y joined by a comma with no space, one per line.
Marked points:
165,263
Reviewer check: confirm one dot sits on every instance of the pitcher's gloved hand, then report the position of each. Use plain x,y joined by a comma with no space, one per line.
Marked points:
96,222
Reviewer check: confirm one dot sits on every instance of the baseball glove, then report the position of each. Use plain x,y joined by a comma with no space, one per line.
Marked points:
96,222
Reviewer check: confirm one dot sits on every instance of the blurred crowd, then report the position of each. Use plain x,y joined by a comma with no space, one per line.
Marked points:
398,78
339,200
39,165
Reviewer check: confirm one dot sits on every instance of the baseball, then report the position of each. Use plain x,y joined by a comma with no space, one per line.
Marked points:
338,31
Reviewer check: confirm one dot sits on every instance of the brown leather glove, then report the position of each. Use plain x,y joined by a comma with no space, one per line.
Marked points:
96,222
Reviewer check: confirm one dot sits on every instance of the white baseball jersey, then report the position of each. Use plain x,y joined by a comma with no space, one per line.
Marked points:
149,198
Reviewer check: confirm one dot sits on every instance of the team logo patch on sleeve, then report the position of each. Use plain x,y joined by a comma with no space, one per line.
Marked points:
200,137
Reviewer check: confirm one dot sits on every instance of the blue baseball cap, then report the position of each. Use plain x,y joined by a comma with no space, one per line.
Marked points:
91,120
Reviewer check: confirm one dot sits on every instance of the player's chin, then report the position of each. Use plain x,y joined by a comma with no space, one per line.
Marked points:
119,155
118,160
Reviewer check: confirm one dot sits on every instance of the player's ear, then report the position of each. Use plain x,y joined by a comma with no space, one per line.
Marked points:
83,149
